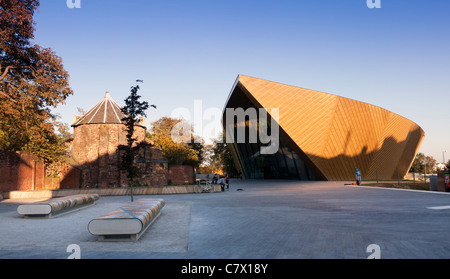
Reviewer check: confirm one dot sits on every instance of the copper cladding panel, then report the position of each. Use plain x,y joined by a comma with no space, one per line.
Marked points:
338,134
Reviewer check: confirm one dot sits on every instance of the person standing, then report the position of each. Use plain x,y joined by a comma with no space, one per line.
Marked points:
358,176
227,180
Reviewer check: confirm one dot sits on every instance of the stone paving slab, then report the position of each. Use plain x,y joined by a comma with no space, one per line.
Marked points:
267,220
169,233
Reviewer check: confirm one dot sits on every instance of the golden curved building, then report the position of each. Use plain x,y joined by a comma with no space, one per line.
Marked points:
322,136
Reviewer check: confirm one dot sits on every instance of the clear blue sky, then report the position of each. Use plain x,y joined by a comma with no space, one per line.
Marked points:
396,57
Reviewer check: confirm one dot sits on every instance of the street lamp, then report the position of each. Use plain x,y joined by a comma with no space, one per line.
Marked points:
443,157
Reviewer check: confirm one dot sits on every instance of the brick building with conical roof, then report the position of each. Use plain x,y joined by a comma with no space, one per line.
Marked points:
97,136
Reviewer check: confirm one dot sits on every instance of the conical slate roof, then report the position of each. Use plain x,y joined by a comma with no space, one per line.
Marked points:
107,111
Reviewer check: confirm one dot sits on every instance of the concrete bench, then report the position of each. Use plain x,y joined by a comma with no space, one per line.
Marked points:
57,206
127,223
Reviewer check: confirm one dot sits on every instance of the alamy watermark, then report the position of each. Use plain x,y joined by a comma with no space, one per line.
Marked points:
77,4
75,252
73,4
374,250
258,126
374,4
241,126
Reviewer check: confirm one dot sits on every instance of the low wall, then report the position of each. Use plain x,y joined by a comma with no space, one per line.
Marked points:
70,178
124,191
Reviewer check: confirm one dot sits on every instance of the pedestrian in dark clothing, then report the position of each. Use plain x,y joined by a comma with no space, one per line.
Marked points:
358,176
227,180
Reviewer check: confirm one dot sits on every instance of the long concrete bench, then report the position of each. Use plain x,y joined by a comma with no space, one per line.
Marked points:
127,223
57,206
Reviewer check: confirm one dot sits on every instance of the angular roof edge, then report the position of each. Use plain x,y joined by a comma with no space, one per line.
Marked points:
240,76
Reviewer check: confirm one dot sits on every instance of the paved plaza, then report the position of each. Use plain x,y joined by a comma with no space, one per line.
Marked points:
265,220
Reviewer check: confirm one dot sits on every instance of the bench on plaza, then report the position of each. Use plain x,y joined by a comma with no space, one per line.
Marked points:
127,223
58,206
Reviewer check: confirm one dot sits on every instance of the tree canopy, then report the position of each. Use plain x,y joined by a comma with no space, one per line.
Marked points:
32,81
423,164
178,153
223,157
132,110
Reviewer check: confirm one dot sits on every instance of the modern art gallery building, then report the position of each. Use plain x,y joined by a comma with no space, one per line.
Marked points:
315,135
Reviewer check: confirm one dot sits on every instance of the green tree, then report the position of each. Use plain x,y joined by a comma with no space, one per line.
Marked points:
185,151
198,145
222,156
430,164
418,163
423,164
133,109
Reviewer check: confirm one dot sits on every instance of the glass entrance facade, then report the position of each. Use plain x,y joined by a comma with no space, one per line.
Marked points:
284,164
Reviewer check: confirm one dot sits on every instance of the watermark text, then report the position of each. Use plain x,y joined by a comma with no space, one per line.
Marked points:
374,4
73,4
249,125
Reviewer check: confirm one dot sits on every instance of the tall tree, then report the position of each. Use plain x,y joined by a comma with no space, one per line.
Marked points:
418,163
177,152
222,156
423,164
32,81
430,164
133,109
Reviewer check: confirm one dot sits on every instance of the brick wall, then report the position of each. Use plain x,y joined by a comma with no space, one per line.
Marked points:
442,187
69,178
20,171
95,151
181,174
25,172
152,166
